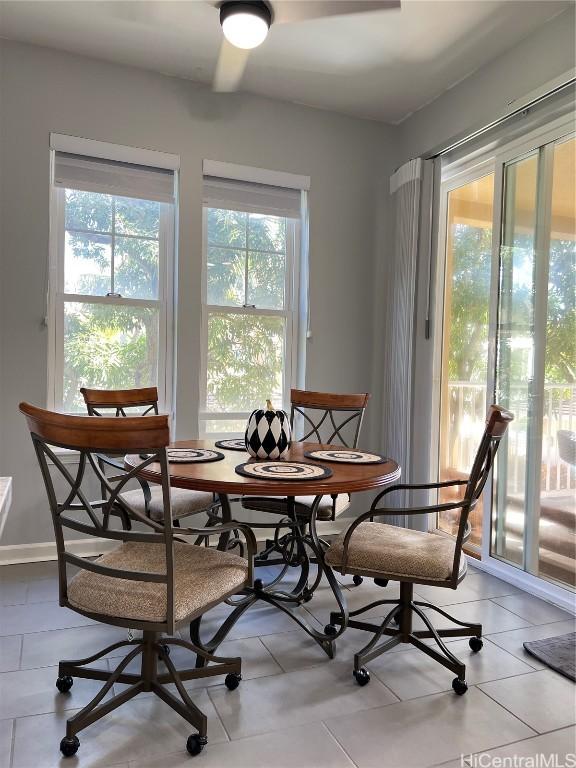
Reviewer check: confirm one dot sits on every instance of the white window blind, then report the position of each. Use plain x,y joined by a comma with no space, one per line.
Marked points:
252,198
92,174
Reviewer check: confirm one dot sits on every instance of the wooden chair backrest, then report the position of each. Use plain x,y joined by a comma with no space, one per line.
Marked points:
325,415
497,422
145,400
73,510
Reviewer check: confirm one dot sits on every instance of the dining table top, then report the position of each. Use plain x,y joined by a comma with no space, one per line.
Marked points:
221,476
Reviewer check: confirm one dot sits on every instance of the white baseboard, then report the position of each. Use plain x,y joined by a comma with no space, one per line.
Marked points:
34,553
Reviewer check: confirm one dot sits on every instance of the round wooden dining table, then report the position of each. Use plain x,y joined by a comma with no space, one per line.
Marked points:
302,545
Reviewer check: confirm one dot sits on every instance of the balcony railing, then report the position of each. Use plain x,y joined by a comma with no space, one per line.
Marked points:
467,414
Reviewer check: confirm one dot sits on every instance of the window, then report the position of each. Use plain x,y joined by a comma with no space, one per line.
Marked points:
251,285
110,278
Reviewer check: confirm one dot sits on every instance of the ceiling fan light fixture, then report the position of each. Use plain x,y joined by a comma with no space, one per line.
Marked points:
245,24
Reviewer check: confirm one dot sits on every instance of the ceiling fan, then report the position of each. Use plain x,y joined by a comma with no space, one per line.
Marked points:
245,25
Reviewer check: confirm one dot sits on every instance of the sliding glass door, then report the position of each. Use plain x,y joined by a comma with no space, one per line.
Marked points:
533,524
508,239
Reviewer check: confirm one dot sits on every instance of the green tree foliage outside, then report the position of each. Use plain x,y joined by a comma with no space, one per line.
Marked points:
246,266
109,345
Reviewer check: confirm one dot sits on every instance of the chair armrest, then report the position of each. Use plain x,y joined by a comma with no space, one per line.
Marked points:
417,487
251,544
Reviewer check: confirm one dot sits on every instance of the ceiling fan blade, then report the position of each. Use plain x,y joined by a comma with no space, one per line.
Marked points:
290,11
230,67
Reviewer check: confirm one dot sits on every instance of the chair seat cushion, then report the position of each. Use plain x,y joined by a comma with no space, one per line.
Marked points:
202,578
303,504
387,551
184,502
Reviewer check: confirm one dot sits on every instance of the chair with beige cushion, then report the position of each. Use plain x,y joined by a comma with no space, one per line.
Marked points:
150,580
322,417
389,553
147,499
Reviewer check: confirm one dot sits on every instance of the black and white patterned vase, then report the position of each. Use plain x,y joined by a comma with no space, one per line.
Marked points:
268,433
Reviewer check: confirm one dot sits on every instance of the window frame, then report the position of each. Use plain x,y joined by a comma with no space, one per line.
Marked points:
57,297
291,374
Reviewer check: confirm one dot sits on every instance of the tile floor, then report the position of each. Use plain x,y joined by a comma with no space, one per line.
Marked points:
294,708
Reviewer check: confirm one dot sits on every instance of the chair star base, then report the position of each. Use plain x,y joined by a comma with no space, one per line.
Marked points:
152,647
402,614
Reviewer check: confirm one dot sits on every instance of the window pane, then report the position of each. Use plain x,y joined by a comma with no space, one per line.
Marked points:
87,264
245,361
227,227
515,371
465,349
266,279
214,427
225,272
136,268
88,210
137,217
267,233
108,347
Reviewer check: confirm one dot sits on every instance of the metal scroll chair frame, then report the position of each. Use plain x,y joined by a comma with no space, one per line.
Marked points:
121,402
149,438
317,411
403,609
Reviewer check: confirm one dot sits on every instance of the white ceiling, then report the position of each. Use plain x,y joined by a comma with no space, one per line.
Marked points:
382,64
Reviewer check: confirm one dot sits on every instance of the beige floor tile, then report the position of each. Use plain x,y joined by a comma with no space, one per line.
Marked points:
142,728
43,590
421,732
308,746
33,692
13,592
295,698
29,571
493,617
544,700
532,609
259,619
44,649
10,648
256,662
560,744
323,603
22,619
513,641
413,674
297,650
6,727
476,586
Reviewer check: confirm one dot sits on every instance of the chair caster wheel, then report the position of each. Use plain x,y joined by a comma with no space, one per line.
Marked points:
166,649
362,676
330,630
258,585
196,744
460,686
232,681
357,580
64,683
69,747
475,644
306,596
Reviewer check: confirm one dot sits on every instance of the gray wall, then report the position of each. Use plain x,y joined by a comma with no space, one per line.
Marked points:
480,98
45,90
474,103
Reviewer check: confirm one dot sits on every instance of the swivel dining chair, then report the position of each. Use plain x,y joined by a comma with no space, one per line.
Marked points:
389,553
321,417
151,580
148,498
